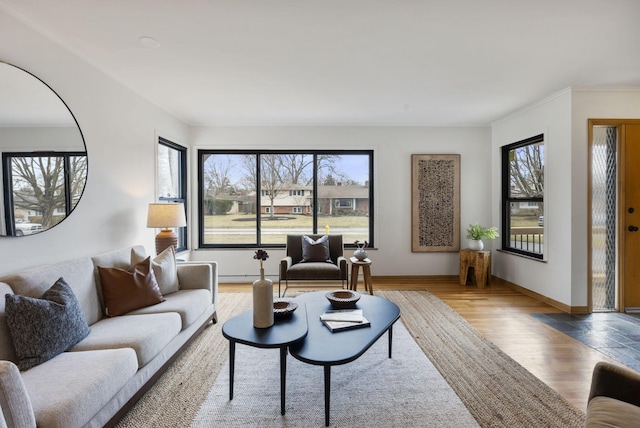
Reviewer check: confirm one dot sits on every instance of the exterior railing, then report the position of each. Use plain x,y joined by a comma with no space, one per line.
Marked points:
530,239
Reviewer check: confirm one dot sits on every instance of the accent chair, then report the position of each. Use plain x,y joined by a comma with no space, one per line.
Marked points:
307,259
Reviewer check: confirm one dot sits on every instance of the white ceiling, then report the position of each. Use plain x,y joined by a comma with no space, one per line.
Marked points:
348,62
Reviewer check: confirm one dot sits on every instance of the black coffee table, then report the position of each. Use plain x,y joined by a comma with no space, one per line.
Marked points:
283,333
323,348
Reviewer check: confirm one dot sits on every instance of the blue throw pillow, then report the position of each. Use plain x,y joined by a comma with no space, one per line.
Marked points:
43,328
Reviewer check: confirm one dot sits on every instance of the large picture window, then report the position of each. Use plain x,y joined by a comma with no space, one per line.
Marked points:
256,198
41,189
172,180
523,197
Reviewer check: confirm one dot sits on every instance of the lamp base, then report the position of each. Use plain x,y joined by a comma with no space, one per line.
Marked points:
165,239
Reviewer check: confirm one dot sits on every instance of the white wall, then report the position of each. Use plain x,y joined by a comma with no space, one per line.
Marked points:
551,117
563,117
393,147
119,128
16,139
590,104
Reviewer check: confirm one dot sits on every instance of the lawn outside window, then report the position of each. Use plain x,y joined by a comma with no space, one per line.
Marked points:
255,198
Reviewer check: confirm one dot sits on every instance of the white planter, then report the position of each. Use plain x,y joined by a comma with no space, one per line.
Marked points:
476,244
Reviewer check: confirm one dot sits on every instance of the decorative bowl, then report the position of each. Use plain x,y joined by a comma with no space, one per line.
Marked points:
343,298
283,307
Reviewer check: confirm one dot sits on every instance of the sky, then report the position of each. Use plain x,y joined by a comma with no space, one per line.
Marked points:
355,167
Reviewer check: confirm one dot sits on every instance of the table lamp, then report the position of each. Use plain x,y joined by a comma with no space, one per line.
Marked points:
165,216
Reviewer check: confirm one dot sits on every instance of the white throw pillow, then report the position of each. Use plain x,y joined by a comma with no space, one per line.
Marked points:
164,268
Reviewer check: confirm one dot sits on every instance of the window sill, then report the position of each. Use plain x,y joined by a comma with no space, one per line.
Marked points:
524,256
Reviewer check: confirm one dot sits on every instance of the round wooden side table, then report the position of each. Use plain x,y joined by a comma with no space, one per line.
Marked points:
366,273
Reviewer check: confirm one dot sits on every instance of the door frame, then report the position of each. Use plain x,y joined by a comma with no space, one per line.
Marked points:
620,204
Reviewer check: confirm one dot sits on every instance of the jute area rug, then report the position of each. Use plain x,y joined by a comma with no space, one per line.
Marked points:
496,390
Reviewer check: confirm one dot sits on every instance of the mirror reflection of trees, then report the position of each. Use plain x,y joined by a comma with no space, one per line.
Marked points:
45,188
37,127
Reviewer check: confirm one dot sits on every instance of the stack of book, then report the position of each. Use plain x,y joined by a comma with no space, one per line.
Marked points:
344,319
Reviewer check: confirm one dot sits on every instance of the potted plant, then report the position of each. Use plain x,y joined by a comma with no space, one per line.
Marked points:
475,234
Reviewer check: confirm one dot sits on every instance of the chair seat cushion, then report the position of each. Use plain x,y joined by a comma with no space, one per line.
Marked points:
611,413
313,271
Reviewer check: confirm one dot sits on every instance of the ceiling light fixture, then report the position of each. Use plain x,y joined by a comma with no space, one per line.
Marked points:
149,42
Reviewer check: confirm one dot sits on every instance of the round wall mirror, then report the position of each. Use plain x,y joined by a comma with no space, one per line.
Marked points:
44,157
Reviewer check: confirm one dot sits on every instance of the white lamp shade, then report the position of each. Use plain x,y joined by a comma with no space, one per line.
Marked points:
166,215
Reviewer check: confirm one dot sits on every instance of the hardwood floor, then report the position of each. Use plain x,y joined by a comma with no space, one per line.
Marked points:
502,315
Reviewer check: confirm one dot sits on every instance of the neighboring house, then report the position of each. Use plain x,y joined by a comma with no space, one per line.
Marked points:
290,199
334,199
296,199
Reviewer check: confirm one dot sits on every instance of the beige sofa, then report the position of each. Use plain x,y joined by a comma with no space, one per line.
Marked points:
96,381
614,399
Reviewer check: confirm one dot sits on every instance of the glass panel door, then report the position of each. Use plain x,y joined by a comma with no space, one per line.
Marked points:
604,198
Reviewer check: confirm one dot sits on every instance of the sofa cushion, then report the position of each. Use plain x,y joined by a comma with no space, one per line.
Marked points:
611,413
124,291
147,335
42,328
78,273
315,251
95,376
164,268
189,304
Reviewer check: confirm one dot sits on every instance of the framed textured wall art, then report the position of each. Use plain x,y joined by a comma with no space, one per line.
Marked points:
435,203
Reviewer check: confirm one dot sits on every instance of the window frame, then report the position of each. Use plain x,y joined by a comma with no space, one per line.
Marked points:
508,199
317,229
182,232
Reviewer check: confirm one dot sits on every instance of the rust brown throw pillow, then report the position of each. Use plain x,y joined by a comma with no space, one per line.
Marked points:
125,291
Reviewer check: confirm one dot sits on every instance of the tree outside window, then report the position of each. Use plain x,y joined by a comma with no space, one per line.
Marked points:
251,198
523,197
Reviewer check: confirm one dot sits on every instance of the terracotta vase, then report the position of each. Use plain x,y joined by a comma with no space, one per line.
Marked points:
262,302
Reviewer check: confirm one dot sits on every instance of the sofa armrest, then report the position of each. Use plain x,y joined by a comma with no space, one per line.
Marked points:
285,264
3,422
616,382
14,399
342,264
199,275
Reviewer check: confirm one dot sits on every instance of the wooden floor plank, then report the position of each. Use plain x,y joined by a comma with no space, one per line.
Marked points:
503,316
